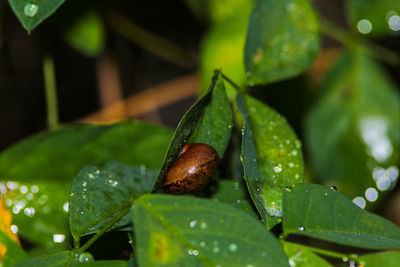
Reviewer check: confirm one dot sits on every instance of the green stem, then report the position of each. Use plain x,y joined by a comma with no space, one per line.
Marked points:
51,92
234,85
103,230
352,40
151,42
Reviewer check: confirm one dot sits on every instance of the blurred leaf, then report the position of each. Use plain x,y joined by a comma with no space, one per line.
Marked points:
185,129
103,264
353,131
52,260
86,33
234,193
40,169
11,252
187,231
377,17
317,211
387,259
302,256
226,9
271,157
282,40
32,13
222,48
199,9
101,193
215,124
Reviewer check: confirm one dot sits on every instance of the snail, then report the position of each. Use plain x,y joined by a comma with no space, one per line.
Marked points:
193,168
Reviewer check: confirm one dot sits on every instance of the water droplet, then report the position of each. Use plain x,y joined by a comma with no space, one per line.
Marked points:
193,252
215,249
23,189
371,194
291,165
142,169
233,247
192,223
30,10
301,228
333,187
202,244
294,153
66,206
58,238
30,212
278,168
34,189
249,265
345,259
364,26
238,201
85,257
84,184
112,182
14,228
288,189
236,187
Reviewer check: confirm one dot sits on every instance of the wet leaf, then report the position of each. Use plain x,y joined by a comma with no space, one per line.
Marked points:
215,124
320,212
387,259
37,172
302,256
352,131
186,127
32,13
100,193
187,231
52,260
234,193
282,40
374,17
271,157
11,252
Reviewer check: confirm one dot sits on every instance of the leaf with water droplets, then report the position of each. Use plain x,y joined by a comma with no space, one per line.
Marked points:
188,231
302,256
215,124
271,156
11,252
353,130
101,193
32,13
188,124
282,40
319,212
387,259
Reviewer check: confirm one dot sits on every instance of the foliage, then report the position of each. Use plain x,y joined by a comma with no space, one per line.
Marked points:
108,178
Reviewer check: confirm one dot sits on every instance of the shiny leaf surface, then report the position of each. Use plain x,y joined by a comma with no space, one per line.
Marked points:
302,256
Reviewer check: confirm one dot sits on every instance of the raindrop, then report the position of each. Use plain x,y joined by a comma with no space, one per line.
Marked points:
233,247
193,252
34,189
394,23
360,201
371,194
12,185
112,182
288,189
66,206
278,168
14,228
301,228
30,10
43,199
192,223
202,244
333,187
58,238
91,176
297,143
23,189
216,249
294,153
30,212
84,184
249,265
291,165
142,169
364,26
85,257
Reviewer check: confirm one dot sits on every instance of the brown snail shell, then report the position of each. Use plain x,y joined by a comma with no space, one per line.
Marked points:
193,168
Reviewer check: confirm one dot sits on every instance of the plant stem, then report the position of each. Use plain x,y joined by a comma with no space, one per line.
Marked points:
103,230
237,87
352,40
151,42
51,92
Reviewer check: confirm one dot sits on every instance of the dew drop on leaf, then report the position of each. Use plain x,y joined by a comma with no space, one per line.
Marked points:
85,257
30,10
332,187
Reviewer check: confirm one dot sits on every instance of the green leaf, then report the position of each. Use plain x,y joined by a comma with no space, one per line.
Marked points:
38,171
100,193
225,9
222,48
353,130
52,260
103,264
185,129
282,40
14,252
302,256
32,13
187,231
215,124
86,33
375,17
317,211
234,193
387,259
271,156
